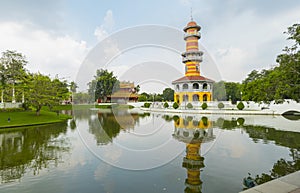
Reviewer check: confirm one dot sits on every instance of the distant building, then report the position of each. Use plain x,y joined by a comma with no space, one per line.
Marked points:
126,93
192,87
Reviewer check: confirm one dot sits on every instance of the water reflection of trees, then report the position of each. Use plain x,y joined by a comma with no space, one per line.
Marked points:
31,150
107,125
282,138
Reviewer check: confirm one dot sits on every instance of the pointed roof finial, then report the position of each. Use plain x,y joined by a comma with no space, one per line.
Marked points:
191,14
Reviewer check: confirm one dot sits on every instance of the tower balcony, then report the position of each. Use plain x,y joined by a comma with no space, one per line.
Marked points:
198,53
195,34
192,58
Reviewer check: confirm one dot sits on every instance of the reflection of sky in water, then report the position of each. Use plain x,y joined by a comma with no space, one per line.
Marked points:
230,157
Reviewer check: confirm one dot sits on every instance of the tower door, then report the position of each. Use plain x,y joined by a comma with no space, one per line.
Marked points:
195,97
205,97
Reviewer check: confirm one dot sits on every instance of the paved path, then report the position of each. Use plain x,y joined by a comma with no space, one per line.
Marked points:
287,184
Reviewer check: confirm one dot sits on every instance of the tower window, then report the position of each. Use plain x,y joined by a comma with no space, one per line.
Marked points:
204,86
195,86
185,86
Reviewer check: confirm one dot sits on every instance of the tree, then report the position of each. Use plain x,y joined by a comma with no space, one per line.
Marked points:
42,91
219,91
233,91
103,85
168,94
73,87
280,82
12,69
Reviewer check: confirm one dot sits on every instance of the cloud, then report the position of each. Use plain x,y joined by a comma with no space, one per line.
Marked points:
46,53
43,14
102,31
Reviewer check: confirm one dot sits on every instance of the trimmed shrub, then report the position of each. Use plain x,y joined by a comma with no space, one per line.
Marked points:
240,105
204,121
220,105
166,105
147,105
204,106
189,106
240,121
175,105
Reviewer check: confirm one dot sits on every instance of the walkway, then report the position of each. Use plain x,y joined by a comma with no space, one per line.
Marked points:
287,184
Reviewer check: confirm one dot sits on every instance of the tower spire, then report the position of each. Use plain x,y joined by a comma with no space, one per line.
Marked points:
191,14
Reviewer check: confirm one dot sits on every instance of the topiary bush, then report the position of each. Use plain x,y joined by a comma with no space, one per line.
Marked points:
204,106
189,106
220,105
166,105
147,105
175,105
240,105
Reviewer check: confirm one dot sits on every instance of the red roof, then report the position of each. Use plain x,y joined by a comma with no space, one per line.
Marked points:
192,78
192,23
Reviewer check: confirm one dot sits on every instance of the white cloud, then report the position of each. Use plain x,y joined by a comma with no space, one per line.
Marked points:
45,52
102,31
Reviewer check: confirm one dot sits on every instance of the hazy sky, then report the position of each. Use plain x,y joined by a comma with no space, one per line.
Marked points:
57,35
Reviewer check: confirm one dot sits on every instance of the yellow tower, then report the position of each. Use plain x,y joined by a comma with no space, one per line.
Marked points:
192,87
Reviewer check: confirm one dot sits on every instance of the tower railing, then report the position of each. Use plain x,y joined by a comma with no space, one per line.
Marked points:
195,34
192,58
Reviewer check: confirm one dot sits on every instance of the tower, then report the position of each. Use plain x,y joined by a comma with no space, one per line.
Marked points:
192,87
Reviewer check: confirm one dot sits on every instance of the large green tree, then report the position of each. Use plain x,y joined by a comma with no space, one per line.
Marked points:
103,85
168,94
42,91
12,70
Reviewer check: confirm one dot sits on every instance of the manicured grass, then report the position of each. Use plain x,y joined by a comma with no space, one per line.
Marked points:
27,118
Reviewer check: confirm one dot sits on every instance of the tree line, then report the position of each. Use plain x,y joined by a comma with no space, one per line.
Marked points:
275,84
35,90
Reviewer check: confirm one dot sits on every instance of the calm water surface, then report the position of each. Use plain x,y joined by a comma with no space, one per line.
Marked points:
124,151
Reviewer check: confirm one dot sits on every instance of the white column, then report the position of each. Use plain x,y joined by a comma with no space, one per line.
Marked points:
13,94
2,93
23,97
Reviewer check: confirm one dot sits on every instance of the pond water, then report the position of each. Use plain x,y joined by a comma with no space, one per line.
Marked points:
132,151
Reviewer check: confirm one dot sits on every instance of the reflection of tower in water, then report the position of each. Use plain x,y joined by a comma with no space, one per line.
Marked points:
193,132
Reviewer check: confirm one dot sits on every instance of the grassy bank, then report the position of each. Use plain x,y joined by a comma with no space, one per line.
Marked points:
28,118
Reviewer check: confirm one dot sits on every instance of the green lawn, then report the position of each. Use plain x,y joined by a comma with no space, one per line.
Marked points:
26,118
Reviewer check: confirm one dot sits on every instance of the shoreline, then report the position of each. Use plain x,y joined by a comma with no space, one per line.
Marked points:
215,111
28,118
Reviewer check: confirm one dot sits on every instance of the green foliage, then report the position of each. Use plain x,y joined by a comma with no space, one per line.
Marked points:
168,94
189,106
233,91
81,98
42,91
103,85
142,98
221,105
166,105
205,121
147,105
240,105
175,105
204,106
280,82
219,92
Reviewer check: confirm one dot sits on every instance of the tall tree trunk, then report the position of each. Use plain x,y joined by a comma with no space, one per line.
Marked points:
38,110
